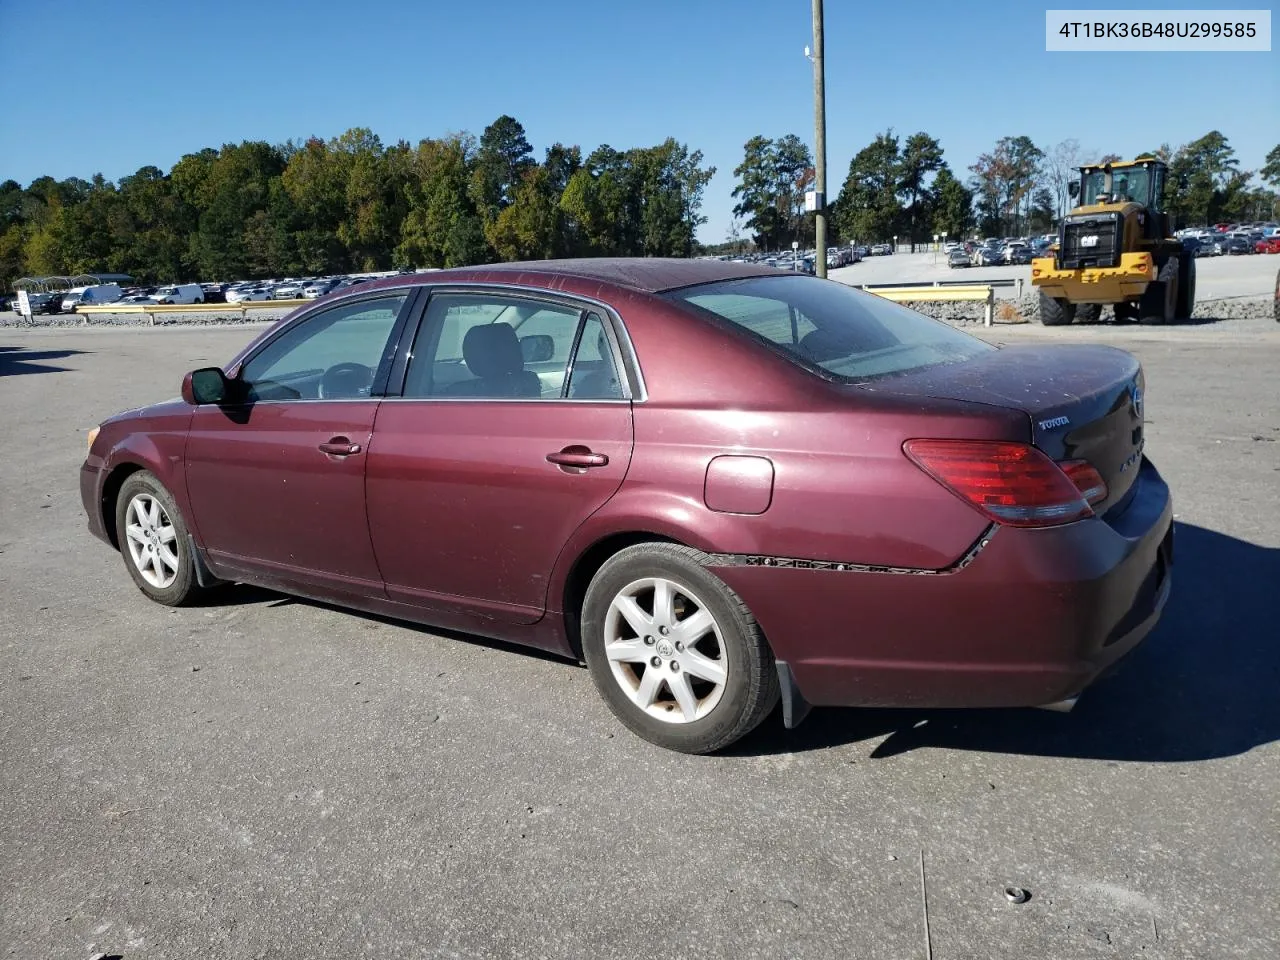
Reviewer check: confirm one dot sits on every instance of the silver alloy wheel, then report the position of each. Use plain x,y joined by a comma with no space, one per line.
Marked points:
152,540
665,650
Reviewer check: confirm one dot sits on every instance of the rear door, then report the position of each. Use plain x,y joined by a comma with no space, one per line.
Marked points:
513,427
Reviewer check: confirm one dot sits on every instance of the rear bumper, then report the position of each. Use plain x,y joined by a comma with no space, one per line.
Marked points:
1032,619
1126,281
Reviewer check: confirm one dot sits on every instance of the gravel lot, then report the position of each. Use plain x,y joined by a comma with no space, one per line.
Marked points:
272,778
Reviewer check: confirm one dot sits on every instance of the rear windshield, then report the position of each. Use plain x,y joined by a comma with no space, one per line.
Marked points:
831,328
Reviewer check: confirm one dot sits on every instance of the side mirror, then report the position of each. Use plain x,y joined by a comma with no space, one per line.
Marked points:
537,348
1073,188
206,385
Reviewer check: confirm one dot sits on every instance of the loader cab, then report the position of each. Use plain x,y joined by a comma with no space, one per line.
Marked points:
1113,185
1139,182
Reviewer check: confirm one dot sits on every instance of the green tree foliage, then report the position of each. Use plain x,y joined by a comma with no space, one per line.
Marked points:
352,203
921,157
1270,173
952,205
1005,180
772,180
501,162
868,209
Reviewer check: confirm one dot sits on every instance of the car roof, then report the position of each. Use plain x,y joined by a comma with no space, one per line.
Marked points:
643,274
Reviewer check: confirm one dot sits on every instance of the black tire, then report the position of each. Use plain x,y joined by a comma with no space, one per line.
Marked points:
184,589
1088,312
1125,312
1160,300
1186,287
750,690
1055,312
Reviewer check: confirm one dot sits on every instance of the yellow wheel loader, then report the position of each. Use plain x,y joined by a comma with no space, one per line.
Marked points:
1115,249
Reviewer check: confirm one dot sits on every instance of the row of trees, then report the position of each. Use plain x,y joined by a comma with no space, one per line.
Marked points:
904,187
257,210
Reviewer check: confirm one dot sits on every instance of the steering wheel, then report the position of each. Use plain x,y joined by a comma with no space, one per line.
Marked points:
344,381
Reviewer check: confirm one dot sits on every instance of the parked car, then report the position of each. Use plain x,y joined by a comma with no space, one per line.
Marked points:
248,293
180,293
290,290
1268,245
318,288
989,256
1234,246
1012,250
714,505
958,258
96,295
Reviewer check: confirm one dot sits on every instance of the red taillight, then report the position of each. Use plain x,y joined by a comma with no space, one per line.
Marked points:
1012,483
1086,478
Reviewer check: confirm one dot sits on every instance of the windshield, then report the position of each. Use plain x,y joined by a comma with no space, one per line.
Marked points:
1131,183
829,327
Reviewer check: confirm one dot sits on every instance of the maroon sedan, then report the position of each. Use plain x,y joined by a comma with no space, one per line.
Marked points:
718,484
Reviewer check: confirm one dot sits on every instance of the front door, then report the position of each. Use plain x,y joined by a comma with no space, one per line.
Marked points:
276,478
513,428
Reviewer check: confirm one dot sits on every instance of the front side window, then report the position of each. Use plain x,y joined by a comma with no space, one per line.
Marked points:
333,355
509,348
831,328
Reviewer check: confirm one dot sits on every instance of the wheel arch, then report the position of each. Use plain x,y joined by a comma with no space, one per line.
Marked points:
120,472
584,568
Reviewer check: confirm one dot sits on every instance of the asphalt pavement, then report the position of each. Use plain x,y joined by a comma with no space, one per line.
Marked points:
270,778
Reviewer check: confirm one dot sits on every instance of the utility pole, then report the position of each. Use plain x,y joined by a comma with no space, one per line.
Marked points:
819,144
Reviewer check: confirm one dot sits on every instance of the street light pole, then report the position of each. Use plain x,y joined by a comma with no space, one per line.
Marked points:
819,144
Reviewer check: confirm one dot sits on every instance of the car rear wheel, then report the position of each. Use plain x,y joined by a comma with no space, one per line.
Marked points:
674,652
153,541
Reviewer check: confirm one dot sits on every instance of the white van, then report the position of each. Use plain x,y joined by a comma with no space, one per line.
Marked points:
94,296
180,293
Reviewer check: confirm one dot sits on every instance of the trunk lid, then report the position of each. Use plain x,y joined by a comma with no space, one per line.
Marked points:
1084,402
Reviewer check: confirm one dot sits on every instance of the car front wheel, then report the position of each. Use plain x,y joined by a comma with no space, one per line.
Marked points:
153,541
674,651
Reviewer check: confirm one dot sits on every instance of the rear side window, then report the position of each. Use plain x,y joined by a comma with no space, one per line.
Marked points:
496,347
831,328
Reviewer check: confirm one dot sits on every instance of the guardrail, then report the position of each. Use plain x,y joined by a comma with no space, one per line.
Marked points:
974,292
1005,282
151,309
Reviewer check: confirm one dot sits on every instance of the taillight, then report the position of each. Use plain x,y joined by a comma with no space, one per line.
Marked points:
1012,483
1086,478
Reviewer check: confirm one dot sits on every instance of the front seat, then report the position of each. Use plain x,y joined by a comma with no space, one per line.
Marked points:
492,354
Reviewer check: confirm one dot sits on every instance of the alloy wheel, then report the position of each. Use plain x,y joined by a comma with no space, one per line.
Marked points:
152,541
665,650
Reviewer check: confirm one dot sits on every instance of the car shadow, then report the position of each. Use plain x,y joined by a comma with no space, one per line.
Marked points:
1202,686
237,594
15,361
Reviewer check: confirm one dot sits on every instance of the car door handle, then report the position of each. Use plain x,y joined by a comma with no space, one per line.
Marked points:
339,447
577,456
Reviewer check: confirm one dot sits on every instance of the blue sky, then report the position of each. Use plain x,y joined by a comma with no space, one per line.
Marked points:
109,87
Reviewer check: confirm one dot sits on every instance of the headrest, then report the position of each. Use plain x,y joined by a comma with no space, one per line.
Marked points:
492,350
